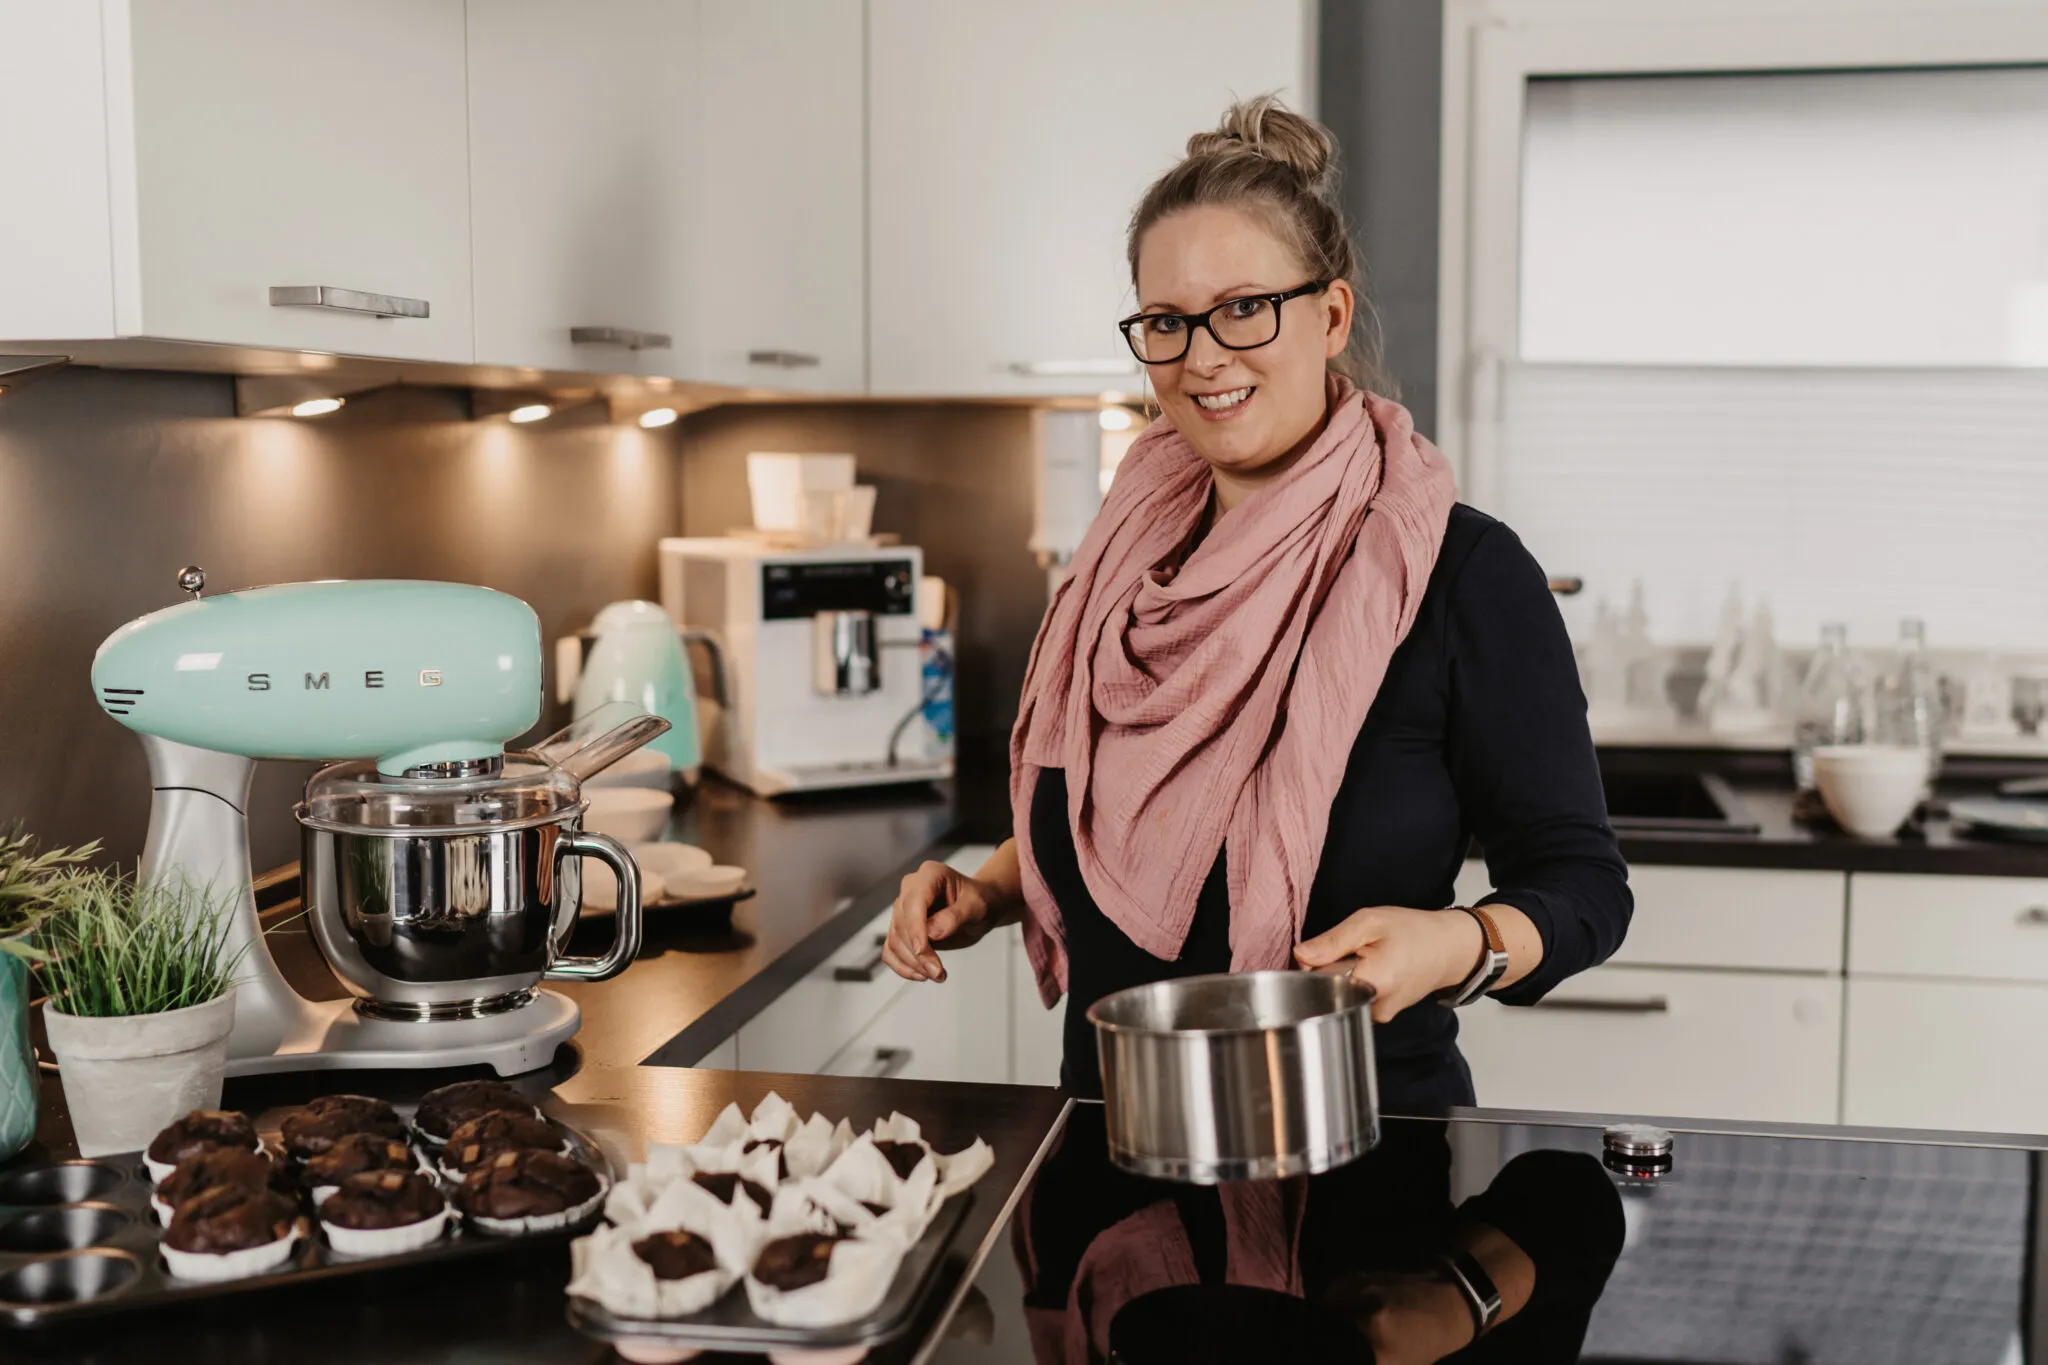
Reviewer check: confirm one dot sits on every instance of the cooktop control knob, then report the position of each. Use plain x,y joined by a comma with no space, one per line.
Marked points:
1637,1149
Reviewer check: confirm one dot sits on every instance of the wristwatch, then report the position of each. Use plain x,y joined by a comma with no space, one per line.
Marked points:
1464,1271
1491,967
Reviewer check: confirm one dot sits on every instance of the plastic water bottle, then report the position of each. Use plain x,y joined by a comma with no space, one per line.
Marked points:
1830,706
937,684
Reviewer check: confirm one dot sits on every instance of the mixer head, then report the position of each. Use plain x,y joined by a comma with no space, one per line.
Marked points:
425,677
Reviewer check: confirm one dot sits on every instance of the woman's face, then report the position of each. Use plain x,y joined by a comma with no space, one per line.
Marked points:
1240,410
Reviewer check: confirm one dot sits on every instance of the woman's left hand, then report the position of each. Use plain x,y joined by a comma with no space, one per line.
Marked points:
1405,955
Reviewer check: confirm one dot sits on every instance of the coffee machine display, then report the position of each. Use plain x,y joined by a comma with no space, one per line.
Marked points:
825,680
441,874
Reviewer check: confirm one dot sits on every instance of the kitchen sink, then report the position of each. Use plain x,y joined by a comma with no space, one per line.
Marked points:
1675,803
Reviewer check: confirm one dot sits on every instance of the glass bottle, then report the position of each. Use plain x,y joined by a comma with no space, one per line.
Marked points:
1830,708
1907,701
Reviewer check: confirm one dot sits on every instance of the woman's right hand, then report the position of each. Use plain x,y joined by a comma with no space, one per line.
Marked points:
937,906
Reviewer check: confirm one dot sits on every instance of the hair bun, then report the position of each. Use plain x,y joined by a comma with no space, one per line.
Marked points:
1267,128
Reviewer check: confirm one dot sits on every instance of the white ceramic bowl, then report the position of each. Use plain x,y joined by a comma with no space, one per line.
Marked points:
632,815
669,859
1870,789
703,883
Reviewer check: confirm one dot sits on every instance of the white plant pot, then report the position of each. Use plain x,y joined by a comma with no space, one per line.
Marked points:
126,1079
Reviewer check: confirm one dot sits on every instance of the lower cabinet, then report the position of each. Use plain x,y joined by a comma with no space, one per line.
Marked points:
1953,1054
808,1024
1677,1043
1037,1034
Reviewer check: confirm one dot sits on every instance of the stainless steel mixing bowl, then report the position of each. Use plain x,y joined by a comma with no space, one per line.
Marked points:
435,924
1244,1076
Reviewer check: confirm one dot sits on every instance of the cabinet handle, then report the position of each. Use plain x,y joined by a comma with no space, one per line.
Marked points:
620,336
1073,369
345,301
1649,1004
865,969
2034,914
887,1061
784,360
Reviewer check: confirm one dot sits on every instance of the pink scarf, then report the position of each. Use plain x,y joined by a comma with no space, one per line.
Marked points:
1220,701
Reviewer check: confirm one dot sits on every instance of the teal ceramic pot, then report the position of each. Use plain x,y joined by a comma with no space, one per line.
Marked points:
19,1080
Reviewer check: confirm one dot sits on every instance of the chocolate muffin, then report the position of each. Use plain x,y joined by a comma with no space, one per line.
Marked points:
225,1218
312,1128
382,1199
676,1255
902,1156
796,1262
526,1183
725,1184
200,1131
483,1137
222,1166
353,1153
444,1110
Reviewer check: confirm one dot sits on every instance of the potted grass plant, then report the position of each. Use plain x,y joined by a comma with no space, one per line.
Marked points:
141,1000
29,879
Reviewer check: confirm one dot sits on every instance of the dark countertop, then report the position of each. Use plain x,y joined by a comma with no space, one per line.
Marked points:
511,1307
1763,782
822,865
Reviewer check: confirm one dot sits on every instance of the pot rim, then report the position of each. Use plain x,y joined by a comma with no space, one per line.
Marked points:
1366,995
554,817
50,1007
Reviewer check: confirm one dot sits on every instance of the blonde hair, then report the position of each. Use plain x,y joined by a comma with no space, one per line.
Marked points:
1282,166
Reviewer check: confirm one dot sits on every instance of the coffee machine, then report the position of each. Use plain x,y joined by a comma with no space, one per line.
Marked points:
821,647
440,874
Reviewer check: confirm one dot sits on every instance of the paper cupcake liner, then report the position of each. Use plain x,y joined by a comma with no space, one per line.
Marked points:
654,1351
855,1286
161,1170
385,1241
210,1266
540,1222
162,1210
606,1270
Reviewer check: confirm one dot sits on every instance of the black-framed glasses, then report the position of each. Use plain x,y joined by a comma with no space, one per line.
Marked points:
1239,324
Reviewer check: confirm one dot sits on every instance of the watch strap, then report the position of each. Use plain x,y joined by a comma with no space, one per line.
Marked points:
1491,966
1477,1287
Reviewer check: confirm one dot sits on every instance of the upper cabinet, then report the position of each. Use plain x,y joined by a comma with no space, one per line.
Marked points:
203,155
1008,145
299,145
579,181
776,259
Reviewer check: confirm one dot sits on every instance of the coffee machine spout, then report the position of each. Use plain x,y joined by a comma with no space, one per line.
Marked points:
199,835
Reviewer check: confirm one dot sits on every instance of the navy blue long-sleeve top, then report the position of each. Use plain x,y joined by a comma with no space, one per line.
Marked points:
1479,730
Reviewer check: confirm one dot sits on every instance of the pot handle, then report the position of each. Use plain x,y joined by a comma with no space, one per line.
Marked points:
626,942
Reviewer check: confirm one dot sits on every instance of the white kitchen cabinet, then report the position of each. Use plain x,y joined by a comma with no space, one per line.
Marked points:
954,1030
808,1024
1960,1055
775,263
580,125
262,143
1990,928
1642,1042
1037,1034
1722,917
1007,146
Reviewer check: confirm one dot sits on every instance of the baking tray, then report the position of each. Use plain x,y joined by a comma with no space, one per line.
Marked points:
730,1325
79,1241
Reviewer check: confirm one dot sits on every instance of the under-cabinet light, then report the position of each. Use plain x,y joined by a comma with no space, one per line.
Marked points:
531,412
316,407
657,417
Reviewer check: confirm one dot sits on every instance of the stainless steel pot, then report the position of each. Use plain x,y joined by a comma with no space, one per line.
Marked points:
435,924
1245,1076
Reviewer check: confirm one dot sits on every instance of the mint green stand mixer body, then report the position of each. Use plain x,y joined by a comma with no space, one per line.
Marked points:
441,875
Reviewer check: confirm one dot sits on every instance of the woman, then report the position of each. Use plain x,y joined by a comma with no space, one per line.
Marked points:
1288,679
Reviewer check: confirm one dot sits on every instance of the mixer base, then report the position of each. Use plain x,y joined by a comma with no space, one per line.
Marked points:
335,1037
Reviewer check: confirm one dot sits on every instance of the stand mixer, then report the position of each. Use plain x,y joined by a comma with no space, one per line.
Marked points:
441,875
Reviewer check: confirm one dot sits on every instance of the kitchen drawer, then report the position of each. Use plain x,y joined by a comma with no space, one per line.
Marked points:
954,1030
1768,919
1946,1054
811,1021
1991,928
1692,1044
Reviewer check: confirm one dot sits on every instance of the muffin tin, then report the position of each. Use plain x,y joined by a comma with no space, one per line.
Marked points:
730,1325
79,1240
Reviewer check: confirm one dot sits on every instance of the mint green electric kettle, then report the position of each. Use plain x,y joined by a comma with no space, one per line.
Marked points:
638,657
